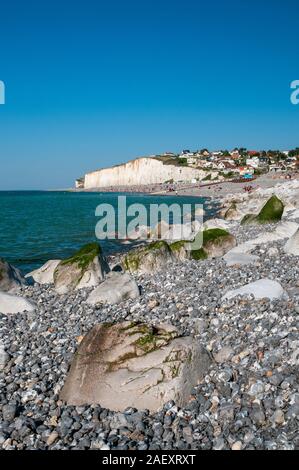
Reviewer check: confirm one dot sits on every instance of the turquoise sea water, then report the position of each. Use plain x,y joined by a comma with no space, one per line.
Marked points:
36,226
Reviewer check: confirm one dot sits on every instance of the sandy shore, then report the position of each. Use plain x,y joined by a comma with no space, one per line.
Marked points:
219,190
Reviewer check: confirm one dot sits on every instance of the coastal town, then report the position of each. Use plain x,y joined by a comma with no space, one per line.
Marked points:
192,172
238,161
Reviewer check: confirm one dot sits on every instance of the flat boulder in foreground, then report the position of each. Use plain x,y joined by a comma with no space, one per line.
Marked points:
134,365
115,289
10,304
10,277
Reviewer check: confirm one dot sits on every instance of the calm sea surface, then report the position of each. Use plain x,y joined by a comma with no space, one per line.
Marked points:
36,226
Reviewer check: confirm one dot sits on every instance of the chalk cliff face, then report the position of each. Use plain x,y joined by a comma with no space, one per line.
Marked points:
139,172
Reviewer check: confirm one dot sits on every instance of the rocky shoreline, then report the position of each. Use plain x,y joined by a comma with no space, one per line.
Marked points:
249,395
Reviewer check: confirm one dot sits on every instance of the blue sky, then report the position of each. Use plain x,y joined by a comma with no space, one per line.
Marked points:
94,83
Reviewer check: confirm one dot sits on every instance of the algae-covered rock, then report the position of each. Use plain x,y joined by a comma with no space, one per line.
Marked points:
86,268
134,365
215,243
148,258
269,214
10,277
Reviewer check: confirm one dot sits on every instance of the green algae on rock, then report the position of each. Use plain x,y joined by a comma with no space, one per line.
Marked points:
85,268
180,249
148,258
215,243
271,213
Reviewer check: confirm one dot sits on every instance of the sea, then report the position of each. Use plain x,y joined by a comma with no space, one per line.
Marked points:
36,226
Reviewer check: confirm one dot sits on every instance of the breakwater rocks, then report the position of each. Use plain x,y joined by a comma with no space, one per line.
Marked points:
236,313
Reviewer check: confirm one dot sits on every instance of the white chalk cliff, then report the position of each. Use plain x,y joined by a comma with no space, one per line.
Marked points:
141,171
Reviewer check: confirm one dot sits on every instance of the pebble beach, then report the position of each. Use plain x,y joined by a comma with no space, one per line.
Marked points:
249,397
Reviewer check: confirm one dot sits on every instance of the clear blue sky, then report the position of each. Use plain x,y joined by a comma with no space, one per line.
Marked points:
94,83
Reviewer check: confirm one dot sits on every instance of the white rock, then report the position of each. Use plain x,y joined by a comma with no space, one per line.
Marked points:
294,215
199,211
3,356
116,288
259,289
283,230
179,232
237,445
243,248
292,245
10,303
29,395
273,251
44,274
233,259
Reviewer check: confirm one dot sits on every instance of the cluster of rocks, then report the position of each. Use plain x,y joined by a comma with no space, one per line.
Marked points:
168,350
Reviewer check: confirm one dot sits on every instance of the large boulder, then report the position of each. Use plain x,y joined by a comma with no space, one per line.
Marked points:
270,213
263,288
292,245
44,274
149,258
116,288
10,303
10,277
215,242
86,268
134,365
